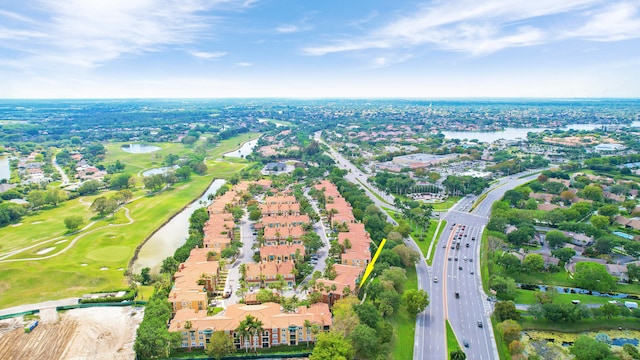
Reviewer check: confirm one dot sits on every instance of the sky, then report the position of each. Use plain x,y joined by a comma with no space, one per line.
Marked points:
319,48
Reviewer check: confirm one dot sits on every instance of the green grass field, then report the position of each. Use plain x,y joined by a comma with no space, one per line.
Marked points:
405,325
529,323
447,204
528,297
452,341
443,225
96,262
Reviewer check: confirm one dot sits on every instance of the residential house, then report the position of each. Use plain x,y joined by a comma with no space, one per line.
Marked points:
264,273
194,279
278,327
345,283
281,253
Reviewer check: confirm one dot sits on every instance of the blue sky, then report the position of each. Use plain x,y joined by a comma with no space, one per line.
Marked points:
321,48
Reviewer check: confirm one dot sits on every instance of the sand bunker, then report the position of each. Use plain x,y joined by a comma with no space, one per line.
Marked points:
44,251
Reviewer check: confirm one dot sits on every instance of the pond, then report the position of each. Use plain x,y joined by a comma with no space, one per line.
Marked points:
5,169
569,290
139,148
159,171
509,133
172,235
555,345
245,149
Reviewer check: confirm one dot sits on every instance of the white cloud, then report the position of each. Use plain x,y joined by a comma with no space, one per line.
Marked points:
286,29
208,55
485,27
91,33
616,22
244,64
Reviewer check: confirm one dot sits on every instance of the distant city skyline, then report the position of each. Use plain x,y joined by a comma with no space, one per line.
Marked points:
328,49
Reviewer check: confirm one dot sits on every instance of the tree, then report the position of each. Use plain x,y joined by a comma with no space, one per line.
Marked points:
169,266
556,238
255,215
631,350
599,221
564,254
104,206
457,355
534,262
633,272
368,314
220,345
307,326
505,287
608,210
54,196
154,182
388,302
592,192
332,346
506,310
145,276
365,342
567,196
36,198
593,276
511,263
124,195
89,187
603,246
415,301
515,347
586,348
510,330
519,237
397,276
609,310
183,173
345,319
632,248
407,255
629,205
119,181
73,222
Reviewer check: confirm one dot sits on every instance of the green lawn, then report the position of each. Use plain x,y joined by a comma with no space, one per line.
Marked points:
417,231
443,225
452,341
96,262
503,348
528,323
528,297
405,324
445,205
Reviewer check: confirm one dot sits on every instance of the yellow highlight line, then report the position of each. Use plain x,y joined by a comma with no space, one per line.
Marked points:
373,261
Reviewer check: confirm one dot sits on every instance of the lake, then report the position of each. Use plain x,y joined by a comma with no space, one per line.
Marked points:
139,148
245,149
5,170
159,171
172,235
509,133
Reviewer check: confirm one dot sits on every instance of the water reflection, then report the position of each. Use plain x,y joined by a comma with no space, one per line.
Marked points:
245,149
139,148
172,235
5,170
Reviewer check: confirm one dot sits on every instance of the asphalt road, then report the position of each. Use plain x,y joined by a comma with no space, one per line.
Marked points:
454,276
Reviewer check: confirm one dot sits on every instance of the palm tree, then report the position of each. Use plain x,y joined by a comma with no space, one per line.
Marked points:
307,325
244,330
243,271
188,326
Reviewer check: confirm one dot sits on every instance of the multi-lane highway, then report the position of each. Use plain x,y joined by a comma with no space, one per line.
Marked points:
454,270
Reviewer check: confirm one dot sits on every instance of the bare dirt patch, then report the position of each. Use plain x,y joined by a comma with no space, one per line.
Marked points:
104,333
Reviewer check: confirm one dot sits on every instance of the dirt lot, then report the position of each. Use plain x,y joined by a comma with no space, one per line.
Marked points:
91,333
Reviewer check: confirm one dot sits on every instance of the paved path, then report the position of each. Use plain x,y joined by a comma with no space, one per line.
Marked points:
65,178
39,306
